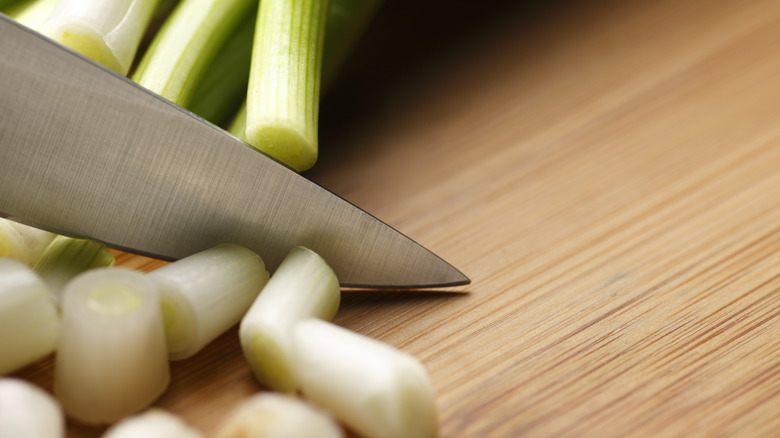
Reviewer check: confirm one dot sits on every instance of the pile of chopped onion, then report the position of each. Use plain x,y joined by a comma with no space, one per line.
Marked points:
119,328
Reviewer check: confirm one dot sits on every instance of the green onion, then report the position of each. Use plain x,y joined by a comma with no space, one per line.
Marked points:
35,240
346,22
278,416
375,389
154,423
67,257
31,13
29,324
183,48
106,31
284,82
222,89
12,243
111,358
205,294
27,411
303,286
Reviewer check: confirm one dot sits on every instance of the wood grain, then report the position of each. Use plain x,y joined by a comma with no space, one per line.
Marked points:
606,173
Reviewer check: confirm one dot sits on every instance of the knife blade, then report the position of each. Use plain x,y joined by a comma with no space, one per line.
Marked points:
88,153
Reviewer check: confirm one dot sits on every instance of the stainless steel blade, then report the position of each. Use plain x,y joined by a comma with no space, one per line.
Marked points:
87,153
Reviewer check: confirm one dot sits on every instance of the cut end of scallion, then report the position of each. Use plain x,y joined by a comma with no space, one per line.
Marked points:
108,32
284,144
113,301
85,41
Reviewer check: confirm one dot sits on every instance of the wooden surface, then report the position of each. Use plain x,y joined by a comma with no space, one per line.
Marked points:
608,175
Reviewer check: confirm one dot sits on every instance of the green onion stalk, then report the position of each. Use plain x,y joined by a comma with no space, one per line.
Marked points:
222,89
284,80
345,23
186,44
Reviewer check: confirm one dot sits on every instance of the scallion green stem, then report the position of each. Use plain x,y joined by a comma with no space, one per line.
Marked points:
303,286
278,416
347,21
66,257
111,358
29,323
27,411
106,31
31,13
284,82
154,423
222,89
205,294
377,390
186,44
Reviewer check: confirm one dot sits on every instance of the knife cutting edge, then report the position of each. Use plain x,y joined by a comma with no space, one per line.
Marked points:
88,153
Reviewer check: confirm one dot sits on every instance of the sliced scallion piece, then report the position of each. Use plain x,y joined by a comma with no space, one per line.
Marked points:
278,416
27,411
372,387
186,44
205,294
36,240
222,89
154,423
303,286
111,358
29,323
12,243
106,31
66,257
284,81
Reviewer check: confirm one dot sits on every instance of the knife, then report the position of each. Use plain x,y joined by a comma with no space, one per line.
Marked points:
88,153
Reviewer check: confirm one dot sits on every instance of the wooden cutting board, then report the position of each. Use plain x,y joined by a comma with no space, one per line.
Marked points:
608,175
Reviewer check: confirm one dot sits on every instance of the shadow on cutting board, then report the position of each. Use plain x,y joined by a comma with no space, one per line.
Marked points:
405,46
